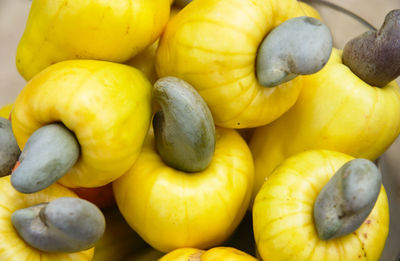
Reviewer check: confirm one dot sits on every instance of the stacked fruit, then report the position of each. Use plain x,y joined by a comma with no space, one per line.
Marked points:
186,118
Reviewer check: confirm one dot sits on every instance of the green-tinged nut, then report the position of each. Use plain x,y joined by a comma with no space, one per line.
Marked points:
184,129
9,150
64,225
182,3
375,55
347,199
49,154
298,46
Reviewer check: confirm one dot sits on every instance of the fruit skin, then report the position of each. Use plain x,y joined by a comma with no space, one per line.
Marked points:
102,197
6,110
283,214
336,111
106,105
214,254
114,31
145,60
307,10
12,247
213,45
171,209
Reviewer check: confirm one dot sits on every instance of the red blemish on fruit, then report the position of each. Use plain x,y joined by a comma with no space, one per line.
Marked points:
368,221
16,166
100,196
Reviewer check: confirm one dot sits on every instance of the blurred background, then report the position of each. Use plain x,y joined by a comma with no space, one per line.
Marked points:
14,13
13,16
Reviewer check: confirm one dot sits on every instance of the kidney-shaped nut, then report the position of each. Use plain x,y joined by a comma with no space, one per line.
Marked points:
347,199
298,46
9,150
66,224
374,56
184,129
48,155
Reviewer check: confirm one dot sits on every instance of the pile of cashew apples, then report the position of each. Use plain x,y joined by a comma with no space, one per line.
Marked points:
195,131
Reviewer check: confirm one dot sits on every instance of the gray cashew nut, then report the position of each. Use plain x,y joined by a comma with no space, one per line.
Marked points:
347,199
9,150
49,154
65,224
184,129
298,46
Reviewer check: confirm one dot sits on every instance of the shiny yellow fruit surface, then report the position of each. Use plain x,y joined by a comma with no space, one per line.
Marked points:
307,10
145,60
106,105
213,46
337,111
115,31
6,110
283,214
171,209
12,246
214,254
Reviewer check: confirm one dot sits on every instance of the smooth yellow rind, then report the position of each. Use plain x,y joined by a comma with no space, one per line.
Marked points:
6,110
213,46
106,105
171,209
337,111
283,214
115,31
214,254
145,60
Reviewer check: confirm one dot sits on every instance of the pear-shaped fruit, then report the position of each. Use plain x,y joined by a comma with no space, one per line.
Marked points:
102,30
